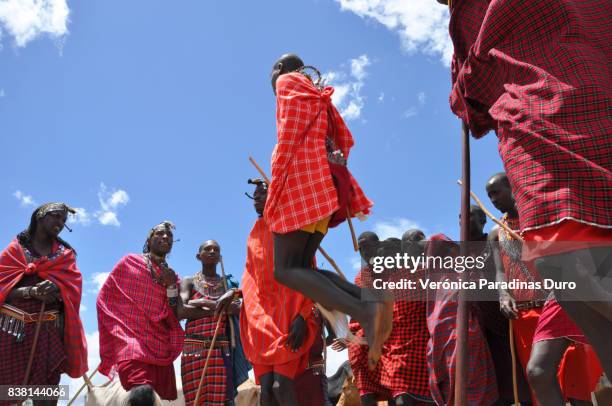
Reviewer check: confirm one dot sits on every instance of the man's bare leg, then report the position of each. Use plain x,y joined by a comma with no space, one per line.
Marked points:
290,252
542,371
593,317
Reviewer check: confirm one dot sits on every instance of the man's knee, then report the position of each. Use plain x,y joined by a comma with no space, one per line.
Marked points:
142,395
539,374
403,400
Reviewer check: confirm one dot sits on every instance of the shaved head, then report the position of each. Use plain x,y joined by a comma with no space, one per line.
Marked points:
285,64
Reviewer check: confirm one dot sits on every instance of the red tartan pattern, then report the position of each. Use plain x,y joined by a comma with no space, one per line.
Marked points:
61,269
538,73
302,191
214,388
403,365
135,320
50,353
441,348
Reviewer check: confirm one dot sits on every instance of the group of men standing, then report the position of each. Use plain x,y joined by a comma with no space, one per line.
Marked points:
537,73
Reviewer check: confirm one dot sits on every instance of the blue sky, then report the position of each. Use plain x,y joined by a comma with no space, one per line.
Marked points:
142,111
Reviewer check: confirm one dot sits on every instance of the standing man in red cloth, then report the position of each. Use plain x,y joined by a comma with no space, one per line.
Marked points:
306,197
138,319
40,267
277,324
538,73
558,357
401,375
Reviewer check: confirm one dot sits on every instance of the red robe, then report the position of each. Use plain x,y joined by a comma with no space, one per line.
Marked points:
403,364
134,318
538,73
302,191
268,307
63,272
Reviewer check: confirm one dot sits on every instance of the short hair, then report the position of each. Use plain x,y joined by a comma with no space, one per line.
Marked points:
501,176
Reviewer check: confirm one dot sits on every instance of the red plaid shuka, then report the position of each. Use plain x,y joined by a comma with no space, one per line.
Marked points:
269,308
302,191
538,73
61,269
402,368
134,318
441,349
198,337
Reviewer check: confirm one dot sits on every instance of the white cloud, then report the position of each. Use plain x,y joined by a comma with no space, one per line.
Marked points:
98,280
421,24
83,308
93,360
80,217
411,112
347,87
381,97
25,200
421,97
110,202
25,20
2,93
356,262
394,228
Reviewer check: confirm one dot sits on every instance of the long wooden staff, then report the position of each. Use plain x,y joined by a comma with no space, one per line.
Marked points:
462,307
87,382
212,346
517,402
34,344
321,250
492,217
224,281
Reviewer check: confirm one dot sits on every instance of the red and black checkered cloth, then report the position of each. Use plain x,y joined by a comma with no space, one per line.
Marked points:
214,389
62,270
135,320
403,365
302,190
539,74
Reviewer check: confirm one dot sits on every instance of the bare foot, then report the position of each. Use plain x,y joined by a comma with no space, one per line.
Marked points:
377,328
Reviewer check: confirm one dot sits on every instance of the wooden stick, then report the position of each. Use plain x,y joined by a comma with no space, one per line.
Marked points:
517,402
261,172
321,250
353,236
86,383
34,344
212,345
224,281
332,263
460,390
492,217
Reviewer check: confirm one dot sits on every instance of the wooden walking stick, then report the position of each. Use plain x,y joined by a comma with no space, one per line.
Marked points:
492,217
321,250
34,344
461,375
196,402
86,383
517,402
224,281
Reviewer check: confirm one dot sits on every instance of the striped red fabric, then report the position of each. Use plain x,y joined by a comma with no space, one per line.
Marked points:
538,73
268,307
302,191
403,365
135,320
61,269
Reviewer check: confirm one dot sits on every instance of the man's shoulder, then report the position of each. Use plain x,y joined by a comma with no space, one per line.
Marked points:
131,260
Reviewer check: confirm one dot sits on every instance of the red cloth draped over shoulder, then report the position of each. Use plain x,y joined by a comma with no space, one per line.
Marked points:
269,307
63,272
538,73
302,190
134,318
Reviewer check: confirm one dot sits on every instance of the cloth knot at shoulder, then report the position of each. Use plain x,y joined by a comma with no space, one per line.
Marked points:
326,94
30,269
